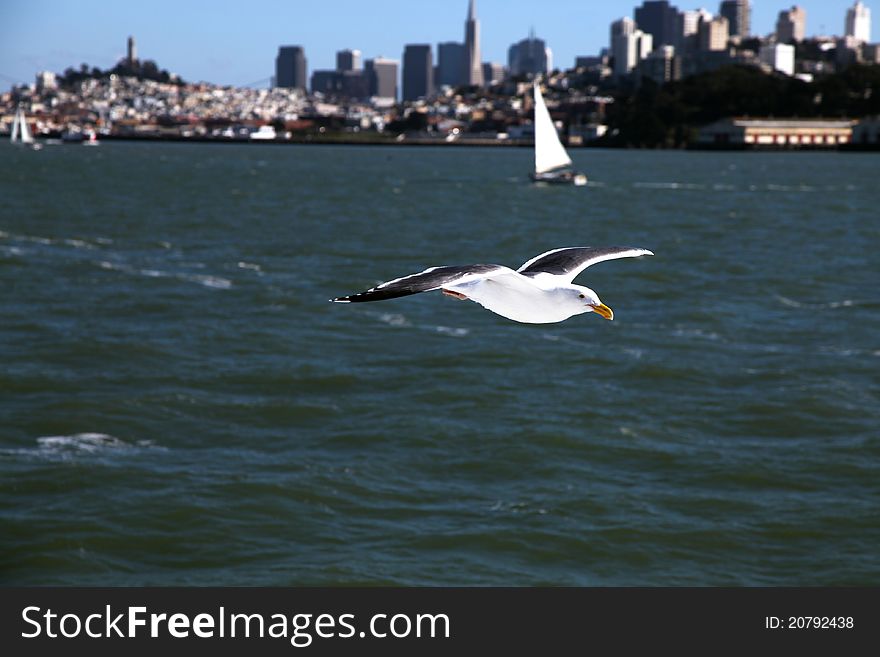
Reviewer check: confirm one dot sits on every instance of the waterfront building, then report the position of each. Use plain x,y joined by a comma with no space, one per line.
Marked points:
451,64
738,15
779,57
713,34
858,22
348,60
418,72
290,67
770,133
382,77
791,25
474,69
629,49
660,20
529,57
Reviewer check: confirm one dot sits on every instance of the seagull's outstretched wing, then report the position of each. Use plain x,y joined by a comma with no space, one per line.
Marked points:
431,279
568,262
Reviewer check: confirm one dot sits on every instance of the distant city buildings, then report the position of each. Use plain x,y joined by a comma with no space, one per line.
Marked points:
418,72
779,57
348,60
660,20
630,49
493,73
529,57
713,35
290,67
791,25
381,76
451,64
738,15
858,23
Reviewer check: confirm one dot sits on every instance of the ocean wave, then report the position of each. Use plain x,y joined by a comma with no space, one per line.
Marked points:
845,303
215,282
74,445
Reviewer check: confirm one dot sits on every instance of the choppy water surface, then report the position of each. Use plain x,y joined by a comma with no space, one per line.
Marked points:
179,403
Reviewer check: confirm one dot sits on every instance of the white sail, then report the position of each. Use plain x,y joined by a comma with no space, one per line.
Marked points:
15,121
26,137
549,152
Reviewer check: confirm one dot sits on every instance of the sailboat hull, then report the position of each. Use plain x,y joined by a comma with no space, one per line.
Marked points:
561,178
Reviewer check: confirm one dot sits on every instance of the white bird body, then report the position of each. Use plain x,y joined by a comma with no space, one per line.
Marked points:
539,292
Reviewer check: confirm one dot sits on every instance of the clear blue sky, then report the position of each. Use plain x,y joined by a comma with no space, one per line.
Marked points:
235,42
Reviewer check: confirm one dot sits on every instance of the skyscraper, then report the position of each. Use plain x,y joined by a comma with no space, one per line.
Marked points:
418,71
348,60
629,49
382,77
738,15
660,20
625,25
791,25
474,66
529,57
290,67
450,64
713,34
858,22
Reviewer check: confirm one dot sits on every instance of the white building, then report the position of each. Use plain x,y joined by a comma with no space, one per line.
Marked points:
779,57
629,49
858,22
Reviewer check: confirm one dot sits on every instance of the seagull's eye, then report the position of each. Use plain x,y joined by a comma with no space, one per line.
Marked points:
580,296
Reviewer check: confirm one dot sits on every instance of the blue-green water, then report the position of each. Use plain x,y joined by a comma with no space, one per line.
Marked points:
179,403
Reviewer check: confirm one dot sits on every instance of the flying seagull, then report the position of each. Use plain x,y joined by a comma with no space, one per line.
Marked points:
539,292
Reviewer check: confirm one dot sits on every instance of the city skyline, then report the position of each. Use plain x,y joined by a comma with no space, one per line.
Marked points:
213,42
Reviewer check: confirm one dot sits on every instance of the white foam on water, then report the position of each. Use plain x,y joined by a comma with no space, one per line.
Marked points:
452,331
83,442
393,319
208,281
249,265
844,303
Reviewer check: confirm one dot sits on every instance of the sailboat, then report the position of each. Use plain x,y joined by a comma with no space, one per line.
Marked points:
552,163
21,133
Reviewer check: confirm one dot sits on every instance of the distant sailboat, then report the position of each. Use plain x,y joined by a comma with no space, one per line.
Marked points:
552,163
21,132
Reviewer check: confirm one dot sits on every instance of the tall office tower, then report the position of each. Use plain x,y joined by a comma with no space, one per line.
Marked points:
529,57
290,67
738,15
629,49
791,25
418,72
625,25
348,60
660,20
688,29
382,77
713,34
493,73
858,22
132,52
474,66
450,64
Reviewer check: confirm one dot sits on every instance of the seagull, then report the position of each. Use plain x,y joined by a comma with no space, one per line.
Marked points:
539,292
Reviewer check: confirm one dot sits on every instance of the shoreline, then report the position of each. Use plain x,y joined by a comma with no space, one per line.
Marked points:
415,141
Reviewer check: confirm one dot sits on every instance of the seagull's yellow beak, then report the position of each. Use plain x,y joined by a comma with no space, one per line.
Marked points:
603,310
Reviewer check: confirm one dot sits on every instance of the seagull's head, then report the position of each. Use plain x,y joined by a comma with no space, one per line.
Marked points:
587,301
